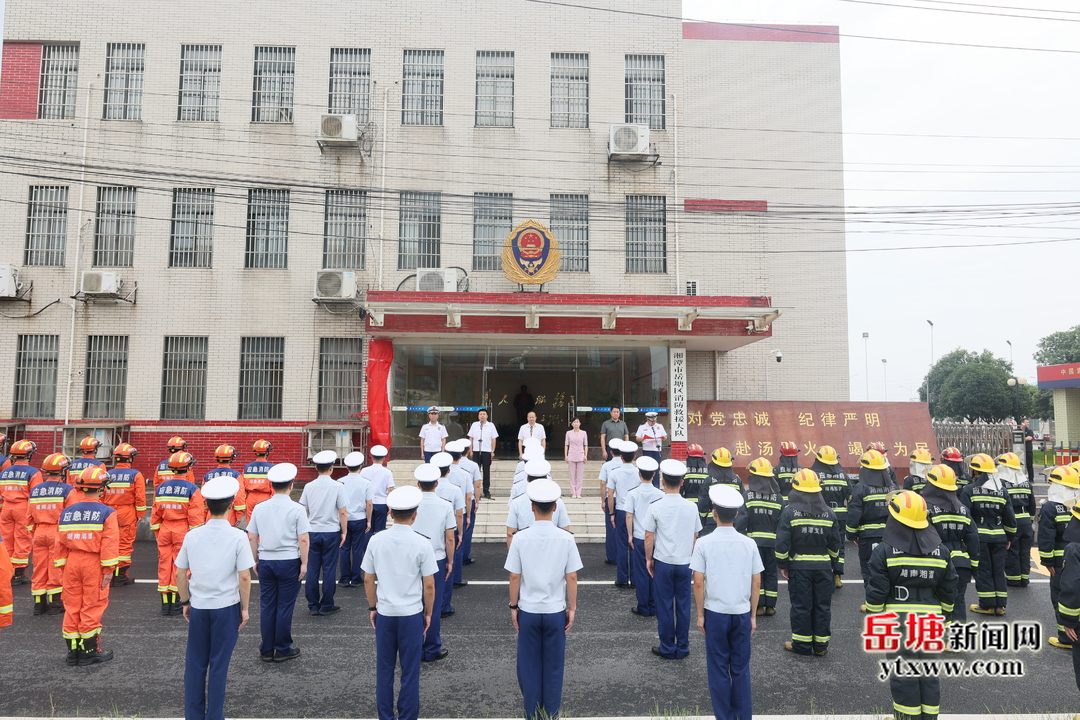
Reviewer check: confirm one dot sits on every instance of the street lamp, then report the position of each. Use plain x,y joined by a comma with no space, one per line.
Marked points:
866,361
885,373
1015,383
1009,343
929,395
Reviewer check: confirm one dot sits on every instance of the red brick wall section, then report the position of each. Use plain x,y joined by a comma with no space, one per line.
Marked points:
19,79
678,450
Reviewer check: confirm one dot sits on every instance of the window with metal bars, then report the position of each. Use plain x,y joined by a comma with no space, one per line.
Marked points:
345,229
267,229
106,376
569,90
272,90
124,81
419,230
46,225
350,82
114,228
646,234
183,378
341,377
493,219
191,242
422,88
200,83
570,225
58,83
36,361
494,89
262,377
646,97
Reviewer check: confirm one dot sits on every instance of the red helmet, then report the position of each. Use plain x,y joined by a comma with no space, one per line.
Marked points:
94,477
225,452
23,449
951,453
789,449
695,450
3,440
262,447
176,444
89,444
180,461
55,464
879,446
125,452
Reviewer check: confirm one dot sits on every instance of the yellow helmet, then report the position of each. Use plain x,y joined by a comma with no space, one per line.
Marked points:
983,463
874,460
1009,459
1066,475
827,454
942,476
806,480
909,508
722,457
922,455
762,467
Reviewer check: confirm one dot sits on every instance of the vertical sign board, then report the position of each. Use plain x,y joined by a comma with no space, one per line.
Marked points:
677,382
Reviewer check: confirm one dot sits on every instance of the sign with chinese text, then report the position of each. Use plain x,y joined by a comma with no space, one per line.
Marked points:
756,429
677,385
1059,376
531,254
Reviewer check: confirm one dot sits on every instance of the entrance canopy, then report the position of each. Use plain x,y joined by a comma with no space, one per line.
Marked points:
701,322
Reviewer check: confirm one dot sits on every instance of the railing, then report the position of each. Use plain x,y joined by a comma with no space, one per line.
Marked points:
973,438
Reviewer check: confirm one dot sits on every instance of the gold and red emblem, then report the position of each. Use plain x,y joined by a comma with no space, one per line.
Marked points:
531,254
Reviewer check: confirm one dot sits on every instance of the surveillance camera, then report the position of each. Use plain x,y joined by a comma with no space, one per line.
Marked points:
779,356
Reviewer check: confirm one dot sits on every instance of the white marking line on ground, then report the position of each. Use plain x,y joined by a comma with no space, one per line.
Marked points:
1036,716
1034,581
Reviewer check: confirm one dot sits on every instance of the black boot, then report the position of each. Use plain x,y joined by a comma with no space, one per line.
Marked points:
56,605
19,578
177,608
166,605
91,655
122,578
40,605
74,648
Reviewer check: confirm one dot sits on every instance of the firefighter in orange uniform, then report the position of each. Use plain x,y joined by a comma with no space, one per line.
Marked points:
16,482
7,600
225,454
126,494
5,461
47,500
164,472
178,507
88,551
88,447
253,483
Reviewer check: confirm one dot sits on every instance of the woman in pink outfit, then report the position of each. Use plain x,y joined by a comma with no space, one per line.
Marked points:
575,450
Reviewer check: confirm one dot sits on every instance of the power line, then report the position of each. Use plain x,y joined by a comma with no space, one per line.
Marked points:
957,10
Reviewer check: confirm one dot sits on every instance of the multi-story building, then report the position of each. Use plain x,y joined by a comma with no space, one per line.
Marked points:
179,179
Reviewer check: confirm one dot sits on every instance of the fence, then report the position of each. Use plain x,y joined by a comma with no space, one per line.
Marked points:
973,438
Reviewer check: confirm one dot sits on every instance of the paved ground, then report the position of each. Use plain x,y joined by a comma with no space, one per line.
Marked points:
610,671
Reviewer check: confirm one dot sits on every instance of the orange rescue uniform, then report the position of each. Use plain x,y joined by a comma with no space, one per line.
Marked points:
89,549
7,601
178,507
47,501
126,494
254,485
16,482
164,472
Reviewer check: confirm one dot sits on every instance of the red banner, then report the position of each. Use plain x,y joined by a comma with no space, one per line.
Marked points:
380,358
756,429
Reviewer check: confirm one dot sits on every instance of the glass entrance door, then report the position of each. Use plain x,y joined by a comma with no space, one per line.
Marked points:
551,394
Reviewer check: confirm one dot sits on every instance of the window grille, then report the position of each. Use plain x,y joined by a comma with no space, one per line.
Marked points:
267,229
191,242
59,80
345,229
200,83
106,376
645,94
646,234
494,89
350,82
262,376
46,225
419,230
183,378
493,219
114,230
272,89
569,90
570,225
36,361
341,377
422,88
124,81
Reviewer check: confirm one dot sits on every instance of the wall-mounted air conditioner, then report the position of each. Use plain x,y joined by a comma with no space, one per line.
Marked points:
9,281
338,130
335,285
100,282
629,140
436,280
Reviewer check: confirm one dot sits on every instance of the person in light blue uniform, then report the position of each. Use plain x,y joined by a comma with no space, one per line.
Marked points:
727,580
477,475
214,600
520,514
638,501
672,524
399,579
464,482
609,512
436,521
531,450
621,480
543,562
451,491
359,493
327,508
382,482
279,536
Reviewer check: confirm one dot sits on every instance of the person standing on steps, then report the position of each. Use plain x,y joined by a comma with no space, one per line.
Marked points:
575,452
531,430
614,428
432,435
484,436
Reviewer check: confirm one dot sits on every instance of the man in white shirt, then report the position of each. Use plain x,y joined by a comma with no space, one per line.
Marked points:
473,471
463,478
638,501
621,480
651,435
520,515
359,493
483,435
327,508
382,482
435,520
609,512
531,429
432,435
444,462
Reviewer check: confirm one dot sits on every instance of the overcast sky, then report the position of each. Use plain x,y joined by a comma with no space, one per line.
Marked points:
977,297
1022,105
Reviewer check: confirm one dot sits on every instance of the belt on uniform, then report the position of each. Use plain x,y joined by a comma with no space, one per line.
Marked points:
903,593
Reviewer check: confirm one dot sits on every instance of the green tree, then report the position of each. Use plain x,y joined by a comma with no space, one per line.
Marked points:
976,391
944,368
1059,348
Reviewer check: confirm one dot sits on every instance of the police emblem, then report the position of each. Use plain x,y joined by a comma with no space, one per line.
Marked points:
531,254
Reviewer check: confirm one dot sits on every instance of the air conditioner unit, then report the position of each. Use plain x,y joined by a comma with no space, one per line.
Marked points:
100,282
436,280
629,140
9,281
338,130
335,285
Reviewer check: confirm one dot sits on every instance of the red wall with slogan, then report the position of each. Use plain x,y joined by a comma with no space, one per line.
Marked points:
756,429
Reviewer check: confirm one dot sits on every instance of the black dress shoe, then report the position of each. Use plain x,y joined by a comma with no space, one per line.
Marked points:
609,562
313,613
656,651
638,612
446,614
438,656
470,561
487,496
284,656
331,611
267,656
461,584
621,585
